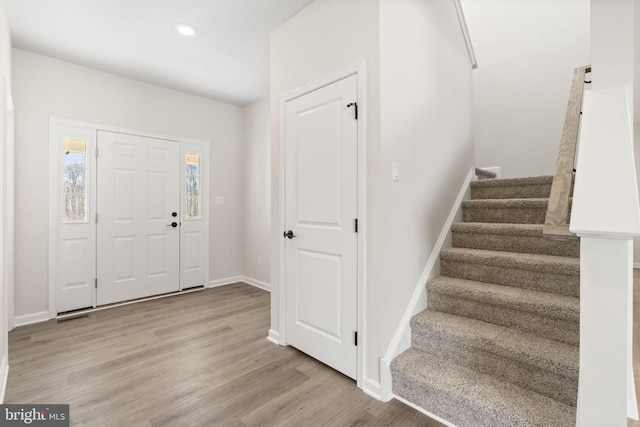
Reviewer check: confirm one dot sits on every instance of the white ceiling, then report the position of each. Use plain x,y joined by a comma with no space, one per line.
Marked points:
227,59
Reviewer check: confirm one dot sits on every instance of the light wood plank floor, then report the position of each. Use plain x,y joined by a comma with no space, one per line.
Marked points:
199,359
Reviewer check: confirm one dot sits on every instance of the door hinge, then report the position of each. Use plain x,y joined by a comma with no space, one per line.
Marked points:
96,218
96,152
354,104
355,338
96,283
355,225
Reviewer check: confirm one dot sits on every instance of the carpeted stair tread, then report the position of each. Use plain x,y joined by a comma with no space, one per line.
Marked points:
471,399
540,303
539,186
522,238
546,273
531,349
518,211
509,182
566,266
527,230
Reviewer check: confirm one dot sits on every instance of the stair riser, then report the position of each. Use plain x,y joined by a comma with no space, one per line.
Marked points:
511,192
561,284
505,215
449,406
535,378
566,331
521,244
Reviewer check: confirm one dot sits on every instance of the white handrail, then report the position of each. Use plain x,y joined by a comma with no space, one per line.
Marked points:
465,34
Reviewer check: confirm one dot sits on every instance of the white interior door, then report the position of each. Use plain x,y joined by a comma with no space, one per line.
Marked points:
321,209
138,187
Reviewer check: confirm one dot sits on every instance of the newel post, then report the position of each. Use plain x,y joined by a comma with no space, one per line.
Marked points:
606,217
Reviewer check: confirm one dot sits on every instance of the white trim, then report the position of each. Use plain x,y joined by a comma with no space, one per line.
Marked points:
274,337
465,34
424,411
224,282
257,283
4,376
129,131
427,274
9,206
372,388
359,69
29,319
632,404
495,169
54,212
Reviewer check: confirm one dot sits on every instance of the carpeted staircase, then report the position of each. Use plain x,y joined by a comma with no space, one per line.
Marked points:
498,343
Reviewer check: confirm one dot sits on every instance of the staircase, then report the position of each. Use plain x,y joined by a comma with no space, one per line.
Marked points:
498,343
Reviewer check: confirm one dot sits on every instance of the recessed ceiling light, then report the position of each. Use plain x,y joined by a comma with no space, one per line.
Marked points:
185,30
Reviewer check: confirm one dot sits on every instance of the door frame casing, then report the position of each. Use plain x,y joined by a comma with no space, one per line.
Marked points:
55,166
357,69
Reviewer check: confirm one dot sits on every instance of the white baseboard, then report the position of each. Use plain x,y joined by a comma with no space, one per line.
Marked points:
4,376
274,337
28,319
494,169
424,411
239,279
256,283
224,282
372,388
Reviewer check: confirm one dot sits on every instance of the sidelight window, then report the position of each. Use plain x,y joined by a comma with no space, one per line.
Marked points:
192,190
74,202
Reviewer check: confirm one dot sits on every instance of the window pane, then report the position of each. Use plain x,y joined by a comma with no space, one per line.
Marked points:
75,207
192,184
74,184
74,180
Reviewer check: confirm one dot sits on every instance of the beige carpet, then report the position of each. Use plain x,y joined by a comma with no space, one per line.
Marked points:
498,343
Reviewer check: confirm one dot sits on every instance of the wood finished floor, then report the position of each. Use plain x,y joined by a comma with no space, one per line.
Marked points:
199,359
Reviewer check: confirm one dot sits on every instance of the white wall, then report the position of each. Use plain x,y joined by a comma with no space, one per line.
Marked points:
257,196
418,113
527,51
48,87
5,73
426,126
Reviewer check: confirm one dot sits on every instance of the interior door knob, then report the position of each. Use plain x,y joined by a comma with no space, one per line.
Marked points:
289,234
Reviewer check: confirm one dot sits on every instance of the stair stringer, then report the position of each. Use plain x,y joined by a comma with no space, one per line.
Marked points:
401,339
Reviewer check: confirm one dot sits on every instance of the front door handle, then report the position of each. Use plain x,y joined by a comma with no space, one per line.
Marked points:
173,224
289,234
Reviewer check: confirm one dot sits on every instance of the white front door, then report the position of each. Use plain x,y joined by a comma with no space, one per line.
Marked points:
321,209
138,238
